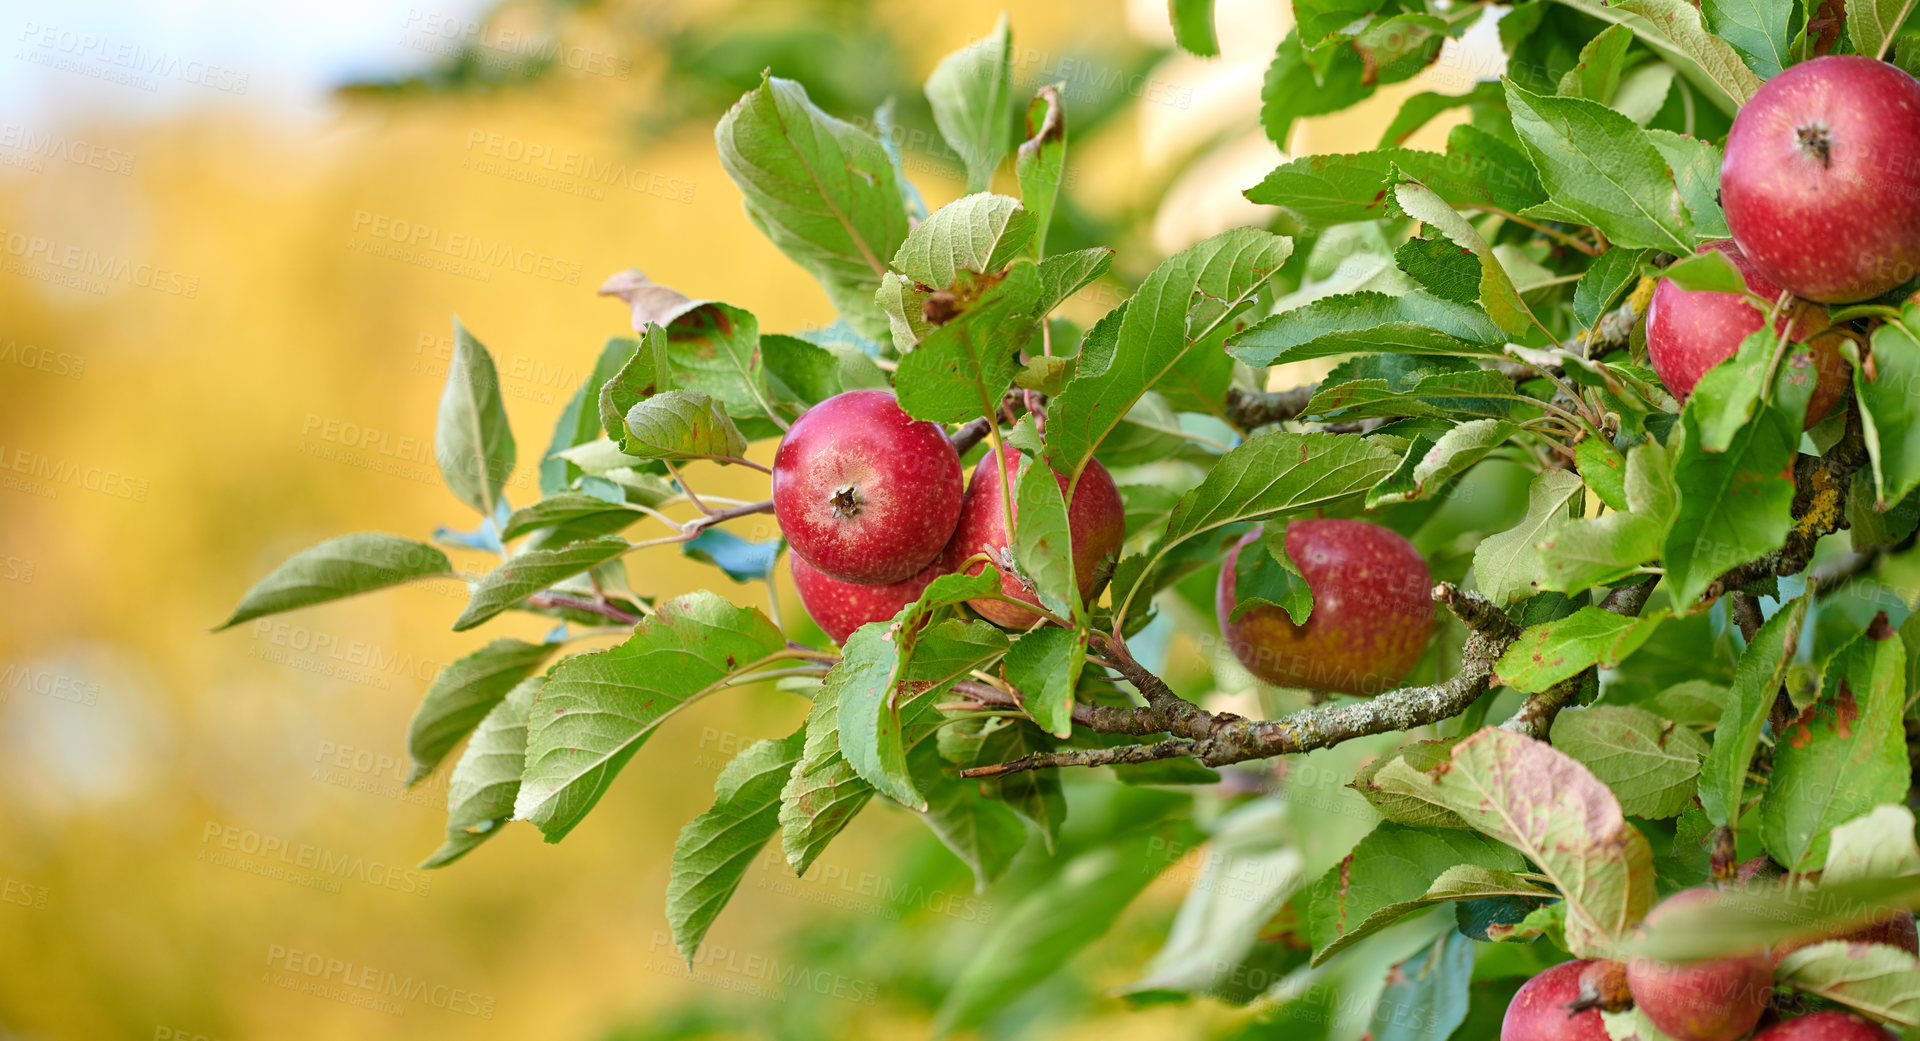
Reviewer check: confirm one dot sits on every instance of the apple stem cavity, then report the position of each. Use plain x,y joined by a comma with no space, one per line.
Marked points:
1815,142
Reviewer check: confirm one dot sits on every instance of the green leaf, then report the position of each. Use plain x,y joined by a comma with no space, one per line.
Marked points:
971,91
1580,553
482,787
715,350
1651,764
644,373
1602,60
531,570
1420,109
1710,271
338,568
1446,270
963,367
1505,565
1877,844
1050,924
1185,302
681,425
463,694
1604,470
1193,27
1276,473
982,831
1737,504
717,847
1696,173
1876,979
1292,90
1562,649
1479,393
580,419
1601,167
578,512
975,234
1889,409
597,709
1427,996
1477,172
1041,161
823,794
1045,666
471,440
1555,812
1427,467
1755,28
1065,274
1251,869
1412,323
1042,543
1265,576
1414,807
1871,24
822,190
1498,297
1844,755
1677,23
1601,284
1397,870
1756,681
1757,917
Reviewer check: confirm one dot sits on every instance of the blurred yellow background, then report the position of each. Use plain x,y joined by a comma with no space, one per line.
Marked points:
215,350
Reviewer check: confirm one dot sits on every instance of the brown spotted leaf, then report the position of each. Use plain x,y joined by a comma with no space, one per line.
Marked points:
1416,808
1553,810
1871,978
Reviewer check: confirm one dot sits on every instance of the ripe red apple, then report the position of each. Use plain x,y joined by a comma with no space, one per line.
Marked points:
1895,929
1826,1026
839,608
865,492
1096,520
1821,181
1372,610
1691,332
1544,1008
1715,1000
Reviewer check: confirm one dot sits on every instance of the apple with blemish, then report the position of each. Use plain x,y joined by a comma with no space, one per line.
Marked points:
1550,1006
865,492
1372,610
1718,999
1826,1026
1096,523
839,608
1821,178
1691,331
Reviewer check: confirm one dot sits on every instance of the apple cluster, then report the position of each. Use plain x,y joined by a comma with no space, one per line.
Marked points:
1717,999
872,503
1821,188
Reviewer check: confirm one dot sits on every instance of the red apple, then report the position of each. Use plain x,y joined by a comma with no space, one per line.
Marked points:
841,607
1826,1026
1543,1009
1895,929
1372,610
1719,999
1821,181
865,492
1096,520
1691,332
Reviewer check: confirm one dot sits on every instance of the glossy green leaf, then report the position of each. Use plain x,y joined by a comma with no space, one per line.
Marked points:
463,694
338,568
531,570
971,92
484,783
716,848
472,441
1756,682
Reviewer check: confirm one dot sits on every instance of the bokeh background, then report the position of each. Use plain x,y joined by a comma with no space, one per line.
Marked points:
213,353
